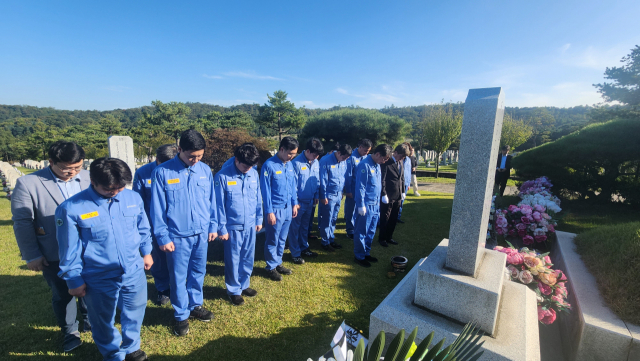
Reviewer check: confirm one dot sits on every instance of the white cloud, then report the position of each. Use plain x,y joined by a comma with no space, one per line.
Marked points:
342,91
212,76
565,47
249,75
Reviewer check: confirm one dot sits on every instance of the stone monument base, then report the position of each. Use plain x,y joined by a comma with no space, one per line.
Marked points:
516,332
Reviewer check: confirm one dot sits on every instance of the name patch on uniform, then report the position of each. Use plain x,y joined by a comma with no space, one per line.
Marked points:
373,171
203,177
148,181
173,181
333,166
278,172
303,168
232,183
89,215
132,206
357,161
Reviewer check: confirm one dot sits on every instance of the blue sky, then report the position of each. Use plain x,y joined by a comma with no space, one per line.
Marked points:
122,54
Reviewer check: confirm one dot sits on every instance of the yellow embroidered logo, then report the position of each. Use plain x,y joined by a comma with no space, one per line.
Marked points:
173,181
232,183
333,166
278,172
89,215
303,168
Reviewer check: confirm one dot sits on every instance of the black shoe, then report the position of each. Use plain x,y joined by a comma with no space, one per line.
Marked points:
400,221
181,328
350,236
136,356
370,259
71,342
274,275
162,300
202,314
362,262
236,300
86,326
335,245
283,270
298,260
328,248
391,241
308,253
249,292
383,243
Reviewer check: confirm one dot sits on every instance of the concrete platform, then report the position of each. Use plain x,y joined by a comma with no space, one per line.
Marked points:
515,338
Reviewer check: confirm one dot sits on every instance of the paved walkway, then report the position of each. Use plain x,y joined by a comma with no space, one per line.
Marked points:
450,188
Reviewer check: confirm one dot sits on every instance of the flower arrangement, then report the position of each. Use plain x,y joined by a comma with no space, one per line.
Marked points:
537,192
531,224
534,270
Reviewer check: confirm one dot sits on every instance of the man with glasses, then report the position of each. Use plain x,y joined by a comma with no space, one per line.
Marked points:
33,205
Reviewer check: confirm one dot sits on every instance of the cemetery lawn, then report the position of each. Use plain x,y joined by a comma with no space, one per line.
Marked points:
290,320
510,182
26,170
453,168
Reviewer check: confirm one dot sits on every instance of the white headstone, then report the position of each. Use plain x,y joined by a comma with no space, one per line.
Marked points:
121,147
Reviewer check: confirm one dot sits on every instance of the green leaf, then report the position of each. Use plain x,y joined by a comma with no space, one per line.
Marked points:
476,357
423,347
394,348
442,354
406,346
359,354
434,351
375,350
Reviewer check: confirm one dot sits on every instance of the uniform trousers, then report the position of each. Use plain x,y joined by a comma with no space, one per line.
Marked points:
239,254
187,267
128,293
299,229
276,237
388,219
349,214
329,219
365,230
160,270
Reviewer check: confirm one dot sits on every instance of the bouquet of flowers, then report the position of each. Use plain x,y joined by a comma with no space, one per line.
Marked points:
534,270
535,186
529,223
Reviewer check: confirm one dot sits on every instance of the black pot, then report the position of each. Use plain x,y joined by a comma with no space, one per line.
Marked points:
399,263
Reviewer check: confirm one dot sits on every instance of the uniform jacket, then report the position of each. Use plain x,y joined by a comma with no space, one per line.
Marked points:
239,201
331,176
101,237
33,205
392,180
368,183
183,201
407,173
307,178
350,174
278,185
142,184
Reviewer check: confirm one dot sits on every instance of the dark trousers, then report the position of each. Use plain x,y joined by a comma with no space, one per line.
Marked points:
64,305
501,181
388,219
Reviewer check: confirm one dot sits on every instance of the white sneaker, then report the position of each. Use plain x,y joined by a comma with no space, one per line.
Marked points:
416,194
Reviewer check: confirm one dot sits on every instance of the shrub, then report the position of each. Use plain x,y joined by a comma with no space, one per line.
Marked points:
222,143
596,162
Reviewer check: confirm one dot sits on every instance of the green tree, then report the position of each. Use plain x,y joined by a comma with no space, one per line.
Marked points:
625,87
281,115
110,125
418,133
236,119
170,118
515,132
542,123
443,126
349,125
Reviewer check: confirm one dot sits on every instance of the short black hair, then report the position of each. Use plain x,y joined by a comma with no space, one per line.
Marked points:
314,145
365,142
345,149
335,147
506,147
289,143
67,152
402,149
385,150
110,172
166,152
247,154
192,140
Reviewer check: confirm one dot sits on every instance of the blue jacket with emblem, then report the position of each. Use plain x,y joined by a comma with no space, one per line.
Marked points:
101,237
142,184
307,178
350,173
239,200
368,183
331,176
278,185
183,201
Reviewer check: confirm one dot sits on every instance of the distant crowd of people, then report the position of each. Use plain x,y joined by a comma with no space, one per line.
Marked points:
93,239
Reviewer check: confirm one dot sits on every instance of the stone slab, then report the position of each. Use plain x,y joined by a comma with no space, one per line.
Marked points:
121,147
479,142
516,336
591,331
462,297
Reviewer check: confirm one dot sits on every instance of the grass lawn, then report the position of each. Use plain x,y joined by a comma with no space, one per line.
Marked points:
443,168
510,182
290,320
26,170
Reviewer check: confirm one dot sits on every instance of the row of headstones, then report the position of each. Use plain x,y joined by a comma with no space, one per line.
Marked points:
10,176
35,164
448,157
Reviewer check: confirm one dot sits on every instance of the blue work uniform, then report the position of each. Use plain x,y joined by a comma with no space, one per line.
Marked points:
279,195
367,194
159,270
239,204
407,180
331,185
349,187
307,185
183,211
100,244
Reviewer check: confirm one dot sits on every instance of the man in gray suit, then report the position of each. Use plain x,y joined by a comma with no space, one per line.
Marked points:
33,205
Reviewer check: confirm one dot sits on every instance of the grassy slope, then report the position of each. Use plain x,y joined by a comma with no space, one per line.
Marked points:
291,320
